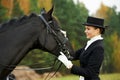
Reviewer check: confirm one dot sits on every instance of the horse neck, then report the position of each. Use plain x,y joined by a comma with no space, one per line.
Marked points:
19,40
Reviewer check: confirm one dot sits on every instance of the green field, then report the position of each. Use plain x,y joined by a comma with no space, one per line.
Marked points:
114,76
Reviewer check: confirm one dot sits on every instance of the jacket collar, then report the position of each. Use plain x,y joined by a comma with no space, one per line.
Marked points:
98,37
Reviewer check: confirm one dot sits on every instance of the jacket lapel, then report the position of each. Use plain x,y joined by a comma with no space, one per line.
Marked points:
91,47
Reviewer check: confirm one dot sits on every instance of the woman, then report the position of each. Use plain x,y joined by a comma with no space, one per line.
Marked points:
91,55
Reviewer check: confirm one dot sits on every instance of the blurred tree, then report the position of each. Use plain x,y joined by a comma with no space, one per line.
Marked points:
71,17
40,58
38,4
17,12
108,66
25,6
116,51
3,16
8,4
112,53
34,7
102,11
114,21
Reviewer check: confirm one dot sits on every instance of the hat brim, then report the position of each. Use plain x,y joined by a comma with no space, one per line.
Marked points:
89,24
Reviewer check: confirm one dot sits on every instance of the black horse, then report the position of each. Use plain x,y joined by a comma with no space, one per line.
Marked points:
19,36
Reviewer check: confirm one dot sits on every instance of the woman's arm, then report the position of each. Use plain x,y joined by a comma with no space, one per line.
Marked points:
93,66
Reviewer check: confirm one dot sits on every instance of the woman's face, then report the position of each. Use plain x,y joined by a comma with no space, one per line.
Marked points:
91,31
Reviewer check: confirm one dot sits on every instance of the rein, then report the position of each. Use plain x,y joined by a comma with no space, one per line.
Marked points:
36,69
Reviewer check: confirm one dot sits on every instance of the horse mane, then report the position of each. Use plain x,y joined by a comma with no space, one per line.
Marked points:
16,21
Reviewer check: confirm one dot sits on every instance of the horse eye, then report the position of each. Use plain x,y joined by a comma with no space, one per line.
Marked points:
64,33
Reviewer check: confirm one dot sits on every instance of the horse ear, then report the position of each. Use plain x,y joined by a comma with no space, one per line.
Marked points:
43,11
49,13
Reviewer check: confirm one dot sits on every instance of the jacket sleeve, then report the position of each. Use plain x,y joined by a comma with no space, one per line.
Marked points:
93,65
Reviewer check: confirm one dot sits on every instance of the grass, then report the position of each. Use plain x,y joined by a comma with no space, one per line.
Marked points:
113,76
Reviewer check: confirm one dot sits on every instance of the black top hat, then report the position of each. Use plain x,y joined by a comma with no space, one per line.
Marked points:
96,22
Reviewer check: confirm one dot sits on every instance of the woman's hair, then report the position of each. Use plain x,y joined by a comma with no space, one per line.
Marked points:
102,30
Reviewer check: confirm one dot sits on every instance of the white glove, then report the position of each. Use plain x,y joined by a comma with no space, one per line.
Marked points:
65,61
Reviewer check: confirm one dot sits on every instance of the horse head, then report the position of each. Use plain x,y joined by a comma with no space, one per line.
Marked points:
54,39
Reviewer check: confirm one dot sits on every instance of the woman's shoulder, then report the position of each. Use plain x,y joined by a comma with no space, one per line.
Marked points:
96,45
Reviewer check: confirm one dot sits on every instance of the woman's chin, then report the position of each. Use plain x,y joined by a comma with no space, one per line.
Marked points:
88,37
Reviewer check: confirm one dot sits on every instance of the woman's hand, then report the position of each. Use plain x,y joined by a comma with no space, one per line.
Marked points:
65,61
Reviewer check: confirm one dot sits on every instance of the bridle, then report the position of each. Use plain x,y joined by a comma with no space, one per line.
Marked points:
60,43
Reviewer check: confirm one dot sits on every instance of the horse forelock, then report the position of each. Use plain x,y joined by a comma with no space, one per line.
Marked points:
16,21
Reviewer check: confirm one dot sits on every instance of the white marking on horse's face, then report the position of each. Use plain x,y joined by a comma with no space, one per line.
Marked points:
64,33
